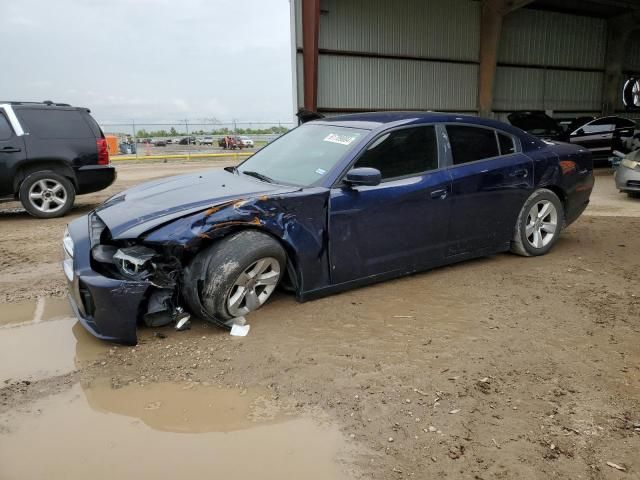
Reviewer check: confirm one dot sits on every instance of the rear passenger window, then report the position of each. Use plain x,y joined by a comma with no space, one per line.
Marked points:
469,144
506,144
403,152
5,129
53,123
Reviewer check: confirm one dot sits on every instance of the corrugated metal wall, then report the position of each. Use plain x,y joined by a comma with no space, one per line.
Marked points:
632,58
547,61
408,28
402,27
553,39
382,83
535,40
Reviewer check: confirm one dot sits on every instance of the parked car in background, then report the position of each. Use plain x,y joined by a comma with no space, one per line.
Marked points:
570,124
605,135
206,140
160,143
627,175
539,124
49,153
245,141
602,136
399,192
187,141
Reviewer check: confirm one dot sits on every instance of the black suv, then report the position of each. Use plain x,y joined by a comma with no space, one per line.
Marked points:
49,153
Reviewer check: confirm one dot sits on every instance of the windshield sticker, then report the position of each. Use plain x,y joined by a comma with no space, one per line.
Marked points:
321,171
341,139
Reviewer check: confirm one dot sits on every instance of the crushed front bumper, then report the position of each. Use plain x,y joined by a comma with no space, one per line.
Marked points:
108,308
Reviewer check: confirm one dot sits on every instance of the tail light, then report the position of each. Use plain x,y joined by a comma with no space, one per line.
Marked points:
103,152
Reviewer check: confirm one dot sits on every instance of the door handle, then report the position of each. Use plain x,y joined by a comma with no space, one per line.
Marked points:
10,150
439,194
523,173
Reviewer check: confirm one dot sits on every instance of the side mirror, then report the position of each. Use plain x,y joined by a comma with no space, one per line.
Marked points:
363,176
580,131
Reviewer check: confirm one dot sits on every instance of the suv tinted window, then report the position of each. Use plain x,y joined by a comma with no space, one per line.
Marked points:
54,123
402,152
469,144
506,144
5,129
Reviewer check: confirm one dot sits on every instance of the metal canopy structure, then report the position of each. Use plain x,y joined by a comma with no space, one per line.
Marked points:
486,57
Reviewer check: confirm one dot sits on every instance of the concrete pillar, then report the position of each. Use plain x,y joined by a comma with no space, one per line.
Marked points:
619,30
492,15
310,35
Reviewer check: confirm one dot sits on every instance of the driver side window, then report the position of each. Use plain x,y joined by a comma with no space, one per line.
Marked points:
403,152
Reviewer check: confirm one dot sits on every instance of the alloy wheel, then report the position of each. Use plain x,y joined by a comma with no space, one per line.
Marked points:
253,287
542,224
47,195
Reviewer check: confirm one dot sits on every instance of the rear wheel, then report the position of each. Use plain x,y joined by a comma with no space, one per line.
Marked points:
46,194
235,276
539,224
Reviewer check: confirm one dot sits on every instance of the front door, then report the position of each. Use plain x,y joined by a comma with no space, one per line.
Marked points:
400,224
11,152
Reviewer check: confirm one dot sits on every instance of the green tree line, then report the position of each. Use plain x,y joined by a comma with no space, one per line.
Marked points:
142,133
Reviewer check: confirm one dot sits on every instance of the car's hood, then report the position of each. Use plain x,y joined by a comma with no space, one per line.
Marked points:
146,206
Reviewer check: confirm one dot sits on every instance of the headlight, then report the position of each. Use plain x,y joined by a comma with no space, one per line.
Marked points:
134,262
67,263
627,162
67,242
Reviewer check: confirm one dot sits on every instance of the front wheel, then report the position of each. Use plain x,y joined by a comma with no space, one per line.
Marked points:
539,224
46,194
235,276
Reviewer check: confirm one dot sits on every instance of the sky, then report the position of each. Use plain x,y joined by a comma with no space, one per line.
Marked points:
150,60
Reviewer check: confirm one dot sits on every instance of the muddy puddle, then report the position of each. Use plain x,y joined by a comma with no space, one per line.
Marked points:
166,431
42,339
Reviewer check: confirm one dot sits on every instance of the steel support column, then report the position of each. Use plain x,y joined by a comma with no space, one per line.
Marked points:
492,15
619,29
310,35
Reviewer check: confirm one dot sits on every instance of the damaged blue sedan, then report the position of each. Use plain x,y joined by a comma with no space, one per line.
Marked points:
334,204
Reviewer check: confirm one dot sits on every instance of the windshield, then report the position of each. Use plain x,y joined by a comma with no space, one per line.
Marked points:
304,155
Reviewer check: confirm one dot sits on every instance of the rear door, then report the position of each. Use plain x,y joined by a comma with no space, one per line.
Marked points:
491,179
400,224
12,151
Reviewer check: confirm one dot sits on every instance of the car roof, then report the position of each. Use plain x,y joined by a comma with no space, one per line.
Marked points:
379,120
45,104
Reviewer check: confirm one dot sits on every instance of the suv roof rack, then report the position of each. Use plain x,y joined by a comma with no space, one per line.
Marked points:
45,102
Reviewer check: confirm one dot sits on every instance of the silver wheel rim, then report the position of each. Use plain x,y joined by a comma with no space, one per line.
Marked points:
47,195
253,287
542,224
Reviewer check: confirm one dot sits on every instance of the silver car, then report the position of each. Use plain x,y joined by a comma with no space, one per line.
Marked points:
627,174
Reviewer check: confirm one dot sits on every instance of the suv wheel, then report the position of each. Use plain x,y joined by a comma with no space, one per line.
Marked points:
47,194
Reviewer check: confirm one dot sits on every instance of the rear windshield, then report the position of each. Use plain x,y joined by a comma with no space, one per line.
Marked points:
54,123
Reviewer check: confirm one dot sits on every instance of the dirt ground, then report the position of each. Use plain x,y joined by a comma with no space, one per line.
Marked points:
504,367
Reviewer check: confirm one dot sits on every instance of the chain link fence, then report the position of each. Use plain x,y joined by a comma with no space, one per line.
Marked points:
188,138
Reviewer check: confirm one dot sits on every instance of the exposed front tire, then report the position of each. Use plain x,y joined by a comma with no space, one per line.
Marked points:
235,276
47,194
539,224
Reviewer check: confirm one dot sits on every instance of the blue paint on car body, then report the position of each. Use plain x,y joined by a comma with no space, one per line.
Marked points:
336,236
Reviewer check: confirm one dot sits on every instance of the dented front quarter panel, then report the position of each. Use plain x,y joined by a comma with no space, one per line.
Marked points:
297,219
